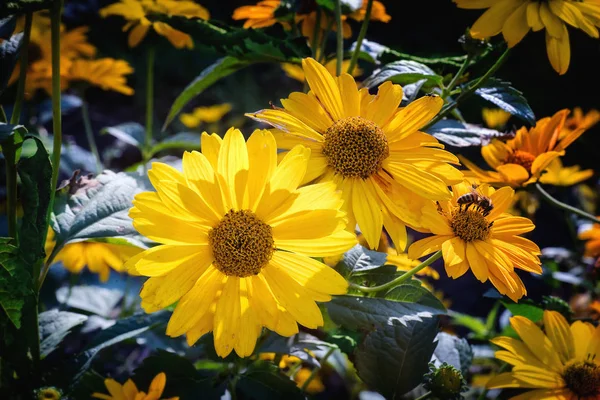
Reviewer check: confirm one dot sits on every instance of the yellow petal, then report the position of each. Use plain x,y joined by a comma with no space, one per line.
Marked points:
385,104
331,245
286,122
490,23
516,27
426,246
542,161
413,117
160,260
367,211
349,93
307,109
211,146
477,263
558,331
310,225
262,161
233,164
537,342
227,317
324,87
157,386
513,173
420,182
533,16
559,50
582,334
512,225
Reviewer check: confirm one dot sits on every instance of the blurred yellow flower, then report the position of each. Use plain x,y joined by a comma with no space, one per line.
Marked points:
98,257
514,19
403,263
372,151
524,204
106,73
578,120
592,237
558,175
129,391
208,114
300,375
486,241
136,12
236,239
495,118
560,363
378,12
296,72
260,15
522,160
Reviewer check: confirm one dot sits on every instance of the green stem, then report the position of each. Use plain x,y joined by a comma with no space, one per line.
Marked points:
361,35
316,370
470,90
340,37
46,267
16,113
149,97
399,280
89,133
425,396
322,55
455,78
564,206
314,45
2,115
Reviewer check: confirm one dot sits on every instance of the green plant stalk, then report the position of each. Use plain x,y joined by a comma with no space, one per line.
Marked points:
314,44
361,35
449,107
564,206
46,267
149,98
455,78
316,370
340,38
23,56
401,279
89,133
2,115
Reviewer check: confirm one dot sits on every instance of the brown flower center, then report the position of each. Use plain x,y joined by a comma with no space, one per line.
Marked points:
470,225
241,244
355,147
583,379
523,158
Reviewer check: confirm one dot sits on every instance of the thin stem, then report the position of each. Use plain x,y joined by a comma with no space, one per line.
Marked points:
455,78
322,48
2,115
340,38
149,97
314,44
401,279
564,206
425,396
16,113
89,133
46,267
316,370
470,90
361,35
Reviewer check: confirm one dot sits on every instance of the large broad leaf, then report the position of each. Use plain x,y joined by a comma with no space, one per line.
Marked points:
15,283
508,98
360,259
93,299
403,72
220,69
9,52
8,7
264,381
55,326
398,344
129,132
460,134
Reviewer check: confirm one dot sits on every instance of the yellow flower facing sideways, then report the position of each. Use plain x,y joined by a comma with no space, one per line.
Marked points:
558,175
129,391
373,152
137,11
486,241
236,239
260,15
514,19
106,73
208,114
578,119
562,362
522,160
98,257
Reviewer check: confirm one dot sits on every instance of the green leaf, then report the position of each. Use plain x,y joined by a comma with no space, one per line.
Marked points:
403,72
388,55
359,259
15,282
393,356
264,381
453,350
508,98
460,134
93,299
9,7
55,326
9,52
476,325
220,69
179,141
525,309
129,132
414,292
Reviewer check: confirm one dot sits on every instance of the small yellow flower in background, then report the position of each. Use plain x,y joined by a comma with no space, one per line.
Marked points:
560,363
98,257
486,241
403,263
129,391
314,386
559,175
136,11
524,203
208,114
236,239
578,120
260,15
495,118
374,152
521,160
296,72
300,375
378,12
592,237
106,73
514,19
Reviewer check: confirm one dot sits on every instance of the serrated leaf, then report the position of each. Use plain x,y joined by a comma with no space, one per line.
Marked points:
403,72
508,98
390,55
398,344
360,259
9,7
93,299
179,141
460,134
220,69
264,381
55,326
9,52
453,350
414,292
129,132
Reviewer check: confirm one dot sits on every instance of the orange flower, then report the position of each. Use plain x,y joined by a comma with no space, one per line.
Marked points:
260,15
592,245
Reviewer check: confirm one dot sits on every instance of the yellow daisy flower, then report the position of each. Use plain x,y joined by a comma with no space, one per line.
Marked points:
106,73
521,160
592,237
577,120
495,117
135,11
514,19
559,175
99,257
260,15
562,363
208,114
296,72
236,236
473,236
129,391
373,151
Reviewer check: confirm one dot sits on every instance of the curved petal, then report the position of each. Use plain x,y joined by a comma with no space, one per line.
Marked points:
307,109
559,50
558,331
332,245
367,211
490,23
477,263
349,94
324,87
413,117
537,342
426,246
383,106
516,27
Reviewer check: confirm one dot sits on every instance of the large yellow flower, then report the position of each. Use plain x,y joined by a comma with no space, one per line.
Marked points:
136,12
521,161
106,73
562,363
129,391
210,114
296,72
236,236
592,237
98,257
473,237
514,18
373,151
